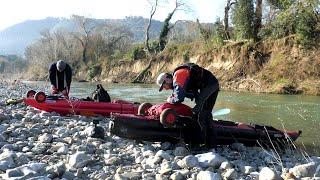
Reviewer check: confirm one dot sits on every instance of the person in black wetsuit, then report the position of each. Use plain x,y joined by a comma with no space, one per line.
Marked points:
60,75
194,82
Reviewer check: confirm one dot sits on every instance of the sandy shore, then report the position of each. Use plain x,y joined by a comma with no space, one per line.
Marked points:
41,145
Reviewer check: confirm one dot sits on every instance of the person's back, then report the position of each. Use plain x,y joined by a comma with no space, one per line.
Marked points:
100,95
60,75
192,81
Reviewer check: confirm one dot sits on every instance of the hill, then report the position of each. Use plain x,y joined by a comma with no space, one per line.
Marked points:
15,39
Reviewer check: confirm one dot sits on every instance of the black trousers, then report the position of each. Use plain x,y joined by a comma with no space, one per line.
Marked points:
203,109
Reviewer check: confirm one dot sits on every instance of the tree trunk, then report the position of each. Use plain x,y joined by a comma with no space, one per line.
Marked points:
257,22
146,42
226,18
139,78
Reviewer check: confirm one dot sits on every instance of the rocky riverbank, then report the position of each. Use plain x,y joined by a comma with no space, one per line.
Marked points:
41,145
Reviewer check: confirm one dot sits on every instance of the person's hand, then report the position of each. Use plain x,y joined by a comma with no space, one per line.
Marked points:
169,99
54,90
64,92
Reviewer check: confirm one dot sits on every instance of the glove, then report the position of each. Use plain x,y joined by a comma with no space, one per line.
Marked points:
54,90
65,94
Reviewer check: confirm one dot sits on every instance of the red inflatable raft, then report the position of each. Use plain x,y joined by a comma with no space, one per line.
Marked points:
65,106
167,122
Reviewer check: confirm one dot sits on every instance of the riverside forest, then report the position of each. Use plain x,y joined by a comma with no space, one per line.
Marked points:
259,46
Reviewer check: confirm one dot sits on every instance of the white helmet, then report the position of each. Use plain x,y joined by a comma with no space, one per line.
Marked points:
162,79
61,65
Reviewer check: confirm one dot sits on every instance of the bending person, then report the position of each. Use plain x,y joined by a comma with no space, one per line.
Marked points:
194,82
60,75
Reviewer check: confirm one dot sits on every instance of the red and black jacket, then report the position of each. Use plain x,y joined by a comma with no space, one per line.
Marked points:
188,79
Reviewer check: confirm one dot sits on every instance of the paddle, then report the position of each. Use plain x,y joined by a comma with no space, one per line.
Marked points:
221,112
13,101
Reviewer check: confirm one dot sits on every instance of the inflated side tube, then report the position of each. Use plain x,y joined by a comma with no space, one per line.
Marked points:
31,93
143,108
40,97
168,117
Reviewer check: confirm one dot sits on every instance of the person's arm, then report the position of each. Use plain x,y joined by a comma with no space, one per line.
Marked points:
68,75
52,74
180,80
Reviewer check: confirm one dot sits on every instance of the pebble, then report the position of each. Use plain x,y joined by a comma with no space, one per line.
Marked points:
40,145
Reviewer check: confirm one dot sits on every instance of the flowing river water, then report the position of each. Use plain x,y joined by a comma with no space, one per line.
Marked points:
290,112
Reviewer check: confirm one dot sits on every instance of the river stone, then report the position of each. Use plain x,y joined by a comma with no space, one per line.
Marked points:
304,170
132,175
238,147
12,173
247,169
165,168
181,151
111,160
230,174
210,159
79,160
45,138
189,161
10,147
177,176
268,174
63,150
225,165
147,153
68,175
2,129
62,132
166,145
163,154
208,175
4,165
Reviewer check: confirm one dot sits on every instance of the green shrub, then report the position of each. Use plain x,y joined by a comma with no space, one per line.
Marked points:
186,56
307,26
118,54
93,71
137,53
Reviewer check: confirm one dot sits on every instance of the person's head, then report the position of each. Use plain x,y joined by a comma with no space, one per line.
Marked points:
61,65
165,81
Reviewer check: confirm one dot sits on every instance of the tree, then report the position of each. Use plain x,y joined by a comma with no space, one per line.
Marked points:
107,38
308,23
204,33
163,37
226,17
85,28
243,16
147,36
257,19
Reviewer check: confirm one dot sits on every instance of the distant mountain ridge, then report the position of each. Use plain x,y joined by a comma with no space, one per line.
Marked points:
15,39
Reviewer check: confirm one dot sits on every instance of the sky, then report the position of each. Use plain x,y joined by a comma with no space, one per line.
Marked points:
16,11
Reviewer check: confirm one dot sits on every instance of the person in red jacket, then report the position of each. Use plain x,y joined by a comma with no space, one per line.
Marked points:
60,75
194,82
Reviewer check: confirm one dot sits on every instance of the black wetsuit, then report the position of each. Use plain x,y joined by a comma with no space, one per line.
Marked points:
64,77
204,87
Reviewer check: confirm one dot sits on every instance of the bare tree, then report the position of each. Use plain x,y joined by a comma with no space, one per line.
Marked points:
226,18
86,27
108,38
147,36
258,18
163,38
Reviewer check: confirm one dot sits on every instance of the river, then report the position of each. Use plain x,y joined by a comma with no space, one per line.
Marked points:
292,112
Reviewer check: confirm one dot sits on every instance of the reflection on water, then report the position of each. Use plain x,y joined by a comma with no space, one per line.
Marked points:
294,112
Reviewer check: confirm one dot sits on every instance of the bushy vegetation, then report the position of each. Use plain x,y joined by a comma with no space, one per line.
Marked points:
93,71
